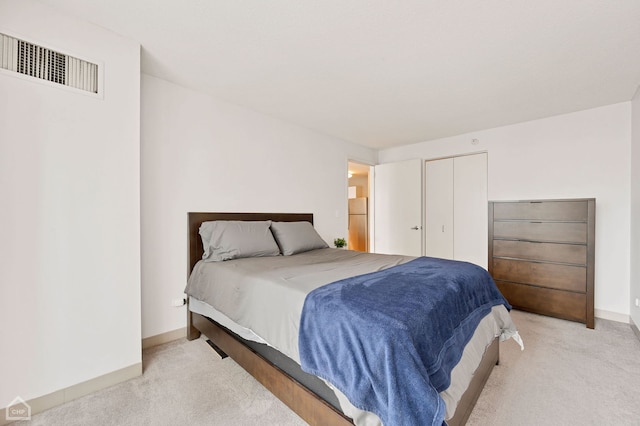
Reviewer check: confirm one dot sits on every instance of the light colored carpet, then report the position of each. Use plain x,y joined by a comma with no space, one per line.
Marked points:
183,383
567,375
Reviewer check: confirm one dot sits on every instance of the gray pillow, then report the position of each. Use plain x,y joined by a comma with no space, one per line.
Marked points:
233,239
296,237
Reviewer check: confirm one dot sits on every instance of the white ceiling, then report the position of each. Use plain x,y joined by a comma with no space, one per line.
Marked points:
382,73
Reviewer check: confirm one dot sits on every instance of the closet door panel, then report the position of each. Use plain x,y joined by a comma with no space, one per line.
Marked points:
439,208
470,214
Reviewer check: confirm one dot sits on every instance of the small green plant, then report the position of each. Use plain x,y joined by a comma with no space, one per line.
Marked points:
339,242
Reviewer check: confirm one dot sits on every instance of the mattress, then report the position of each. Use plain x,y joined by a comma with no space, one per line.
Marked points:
261,300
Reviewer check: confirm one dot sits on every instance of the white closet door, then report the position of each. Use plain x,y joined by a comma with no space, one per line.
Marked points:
439,204
470,214
398,208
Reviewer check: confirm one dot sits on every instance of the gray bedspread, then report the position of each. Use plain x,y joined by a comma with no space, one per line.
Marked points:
266,294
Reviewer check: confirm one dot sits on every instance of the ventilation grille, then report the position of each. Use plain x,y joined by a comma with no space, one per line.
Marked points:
36,61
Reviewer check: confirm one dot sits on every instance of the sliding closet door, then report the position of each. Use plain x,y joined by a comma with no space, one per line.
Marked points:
456,208
439,208
470,213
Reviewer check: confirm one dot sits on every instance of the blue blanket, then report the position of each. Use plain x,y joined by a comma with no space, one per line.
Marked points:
388,340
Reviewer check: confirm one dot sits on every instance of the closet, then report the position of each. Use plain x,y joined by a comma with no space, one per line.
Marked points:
455,205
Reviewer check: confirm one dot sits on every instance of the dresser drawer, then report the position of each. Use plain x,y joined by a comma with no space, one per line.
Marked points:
542,231
553,252
557,303
541,210
561,277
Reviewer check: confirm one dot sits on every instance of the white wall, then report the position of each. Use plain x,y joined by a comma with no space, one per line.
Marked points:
69,222
579,155
635,208
200,154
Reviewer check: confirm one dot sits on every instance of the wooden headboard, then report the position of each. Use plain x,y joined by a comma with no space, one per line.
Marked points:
195,250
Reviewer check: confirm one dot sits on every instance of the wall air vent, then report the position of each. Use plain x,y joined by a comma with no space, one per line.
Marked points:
40,62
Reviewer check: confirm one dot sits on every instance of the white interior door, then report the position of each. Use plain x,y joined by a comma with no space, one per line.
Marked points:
439,208
398,208
471,209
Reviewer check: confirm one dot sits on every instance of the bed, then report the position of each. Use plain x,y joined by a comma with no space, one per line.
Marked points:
277,366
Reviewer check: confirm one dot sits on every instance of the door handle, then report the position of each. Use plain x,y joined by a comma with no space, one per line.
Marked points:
415,228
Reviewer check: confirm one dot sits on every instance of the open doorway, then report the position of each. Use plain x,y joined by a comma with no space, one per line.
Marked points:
358,206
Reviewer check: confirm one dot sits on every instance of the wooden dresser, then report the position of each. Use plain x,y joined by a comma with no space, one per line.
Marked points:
541,255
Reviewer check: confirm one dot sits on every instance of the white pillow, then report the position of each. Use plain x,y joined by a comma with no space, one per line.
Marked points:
233,239
296,237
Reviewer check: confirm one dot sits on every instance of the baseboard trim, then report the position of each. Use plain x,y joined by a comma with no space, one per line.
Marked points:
635,329
65,395
167,337
612,316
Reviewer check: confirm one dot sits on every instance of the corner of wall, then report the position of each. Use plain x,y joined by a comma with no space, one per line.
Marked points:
635,329
634,287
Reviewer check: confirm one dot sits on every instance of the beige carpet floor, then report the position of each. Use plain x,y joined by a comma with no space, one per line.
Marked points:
567,375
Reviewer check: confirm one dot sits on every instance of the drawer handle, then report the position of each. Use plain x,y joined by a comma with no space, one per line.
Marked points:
534,222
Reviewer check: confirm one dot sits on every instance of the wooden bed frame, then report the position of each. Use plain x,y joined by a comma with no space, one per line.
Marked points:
309,406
